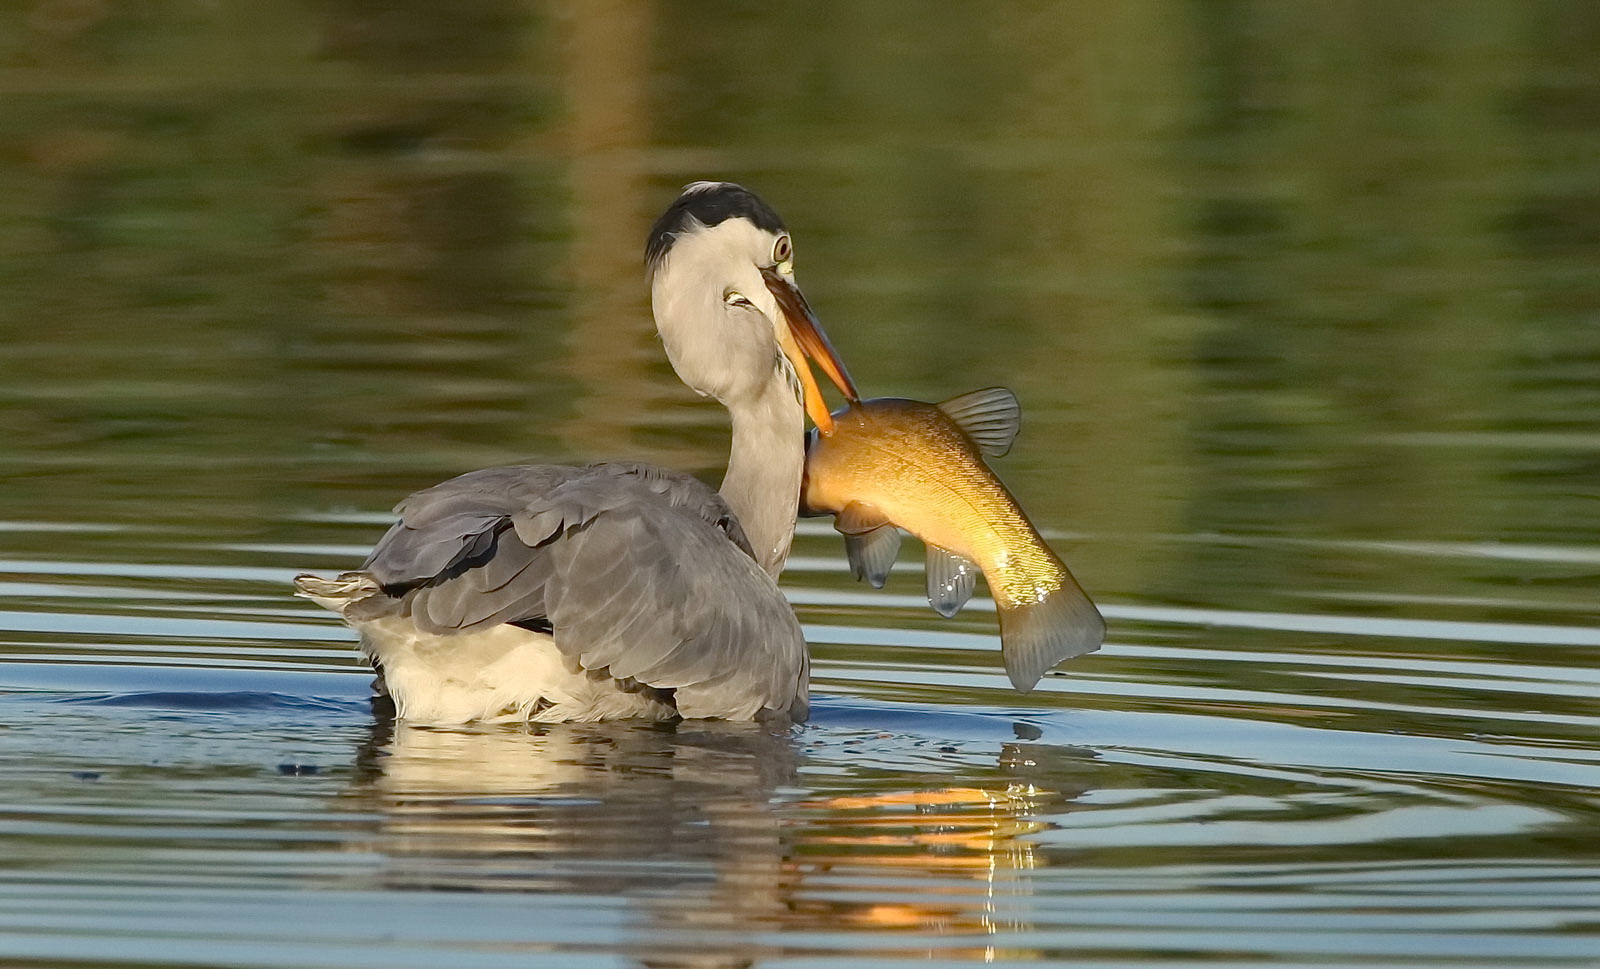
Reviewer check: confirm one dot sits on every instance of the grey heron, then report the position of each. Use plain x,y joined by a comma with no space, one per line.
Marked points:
553,593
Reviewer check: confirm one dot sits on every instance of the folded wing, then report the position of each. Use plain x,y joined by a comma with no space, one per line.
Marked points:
637,572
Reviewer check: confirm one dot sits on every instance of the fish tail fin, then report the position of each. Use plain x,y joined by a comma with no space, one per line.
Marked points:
1036,636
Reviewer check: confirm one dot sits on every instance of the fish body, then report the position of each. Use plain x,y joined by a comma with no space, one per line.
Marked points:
895,462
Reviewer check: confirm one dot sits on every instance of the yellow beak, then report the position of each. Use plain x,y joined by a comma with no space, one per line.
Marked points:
802,339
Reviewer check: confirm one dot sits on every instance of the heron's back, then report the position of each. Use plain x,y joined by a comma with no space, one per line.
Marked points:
630,577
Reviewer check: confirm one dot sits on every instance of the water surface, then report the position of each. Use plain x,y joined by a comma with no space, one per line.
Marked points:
1301,305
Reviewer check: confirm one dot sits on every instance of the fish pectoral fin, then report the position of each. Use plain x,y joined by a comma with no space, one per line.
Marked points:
872,554
858,517
950,580
871,541
991,417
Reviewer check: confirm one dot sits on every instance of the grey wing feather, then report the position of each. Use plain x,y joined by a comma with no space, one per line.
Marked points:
411,551
638,570
694,618
508,587
455,525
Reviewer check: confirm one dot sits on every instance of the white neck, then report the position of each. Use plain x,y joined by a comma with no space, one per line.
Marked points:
765,464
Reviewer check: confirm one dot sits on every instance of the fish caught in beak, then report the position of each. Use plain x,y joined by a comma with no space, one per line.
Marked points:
803,339
892,463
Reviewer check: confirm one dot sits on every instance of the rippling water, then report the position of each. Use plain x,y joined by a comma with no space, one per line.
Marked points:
193,776
1301,306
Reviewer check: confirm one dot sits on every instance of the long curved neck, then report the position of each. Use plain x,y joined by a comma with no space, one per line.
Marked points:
765,464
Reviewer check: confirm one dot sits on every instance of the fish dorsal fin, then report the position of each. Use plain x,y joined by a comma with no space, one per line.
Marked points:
950,580
872,554
990,417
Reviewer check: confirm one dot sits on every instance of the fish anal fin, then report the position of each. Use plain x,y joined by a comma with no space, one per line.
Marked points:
950,580
872,553
990,417
858,517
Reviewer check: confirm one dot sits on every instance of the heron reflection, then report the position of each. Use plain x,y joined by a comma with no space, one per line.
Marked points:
703,831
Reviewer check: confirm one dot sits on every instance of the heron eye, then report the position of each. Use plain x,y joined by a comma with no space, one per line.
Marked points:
735,298
782,250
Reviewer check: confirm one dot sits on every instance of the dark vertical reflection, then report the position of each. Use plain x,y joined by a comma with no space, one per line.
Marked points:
612,350
1553,235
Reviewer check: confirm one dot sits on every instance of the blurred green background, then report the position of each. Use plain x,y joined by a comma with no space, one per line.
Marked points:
1274,281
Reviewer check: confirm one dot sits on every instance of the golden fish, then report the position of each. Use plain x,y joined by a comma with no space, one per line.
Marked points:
894,462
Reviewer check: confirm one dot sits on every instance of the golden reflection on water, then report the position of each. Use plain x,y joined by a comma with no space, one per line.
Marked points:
693,826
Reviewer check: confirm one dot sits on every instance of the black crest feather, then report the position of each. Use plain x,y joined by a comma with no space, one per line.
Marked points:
707,204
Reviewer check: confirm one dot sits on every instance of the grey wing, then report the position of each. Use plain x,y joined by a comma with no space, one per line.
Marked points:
663,600
636,571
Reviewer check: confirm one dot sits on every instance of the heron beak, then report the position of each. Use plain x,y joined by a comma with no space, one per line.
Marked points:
803,338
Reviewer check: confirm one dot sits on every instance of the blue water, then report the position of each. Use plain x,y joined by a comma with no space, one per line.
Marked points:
194,776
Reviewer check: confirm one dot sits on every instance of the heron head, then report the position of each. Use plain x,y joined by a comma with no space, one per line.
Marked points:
726,305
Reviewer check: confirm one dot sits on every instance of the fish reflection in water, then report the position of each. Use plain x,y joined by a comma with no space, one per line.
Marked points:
693,823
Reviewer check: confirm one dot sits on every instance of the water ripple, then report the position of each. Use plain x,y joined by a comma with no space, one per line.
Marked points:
1212,778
